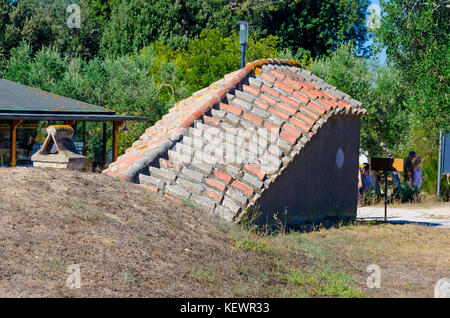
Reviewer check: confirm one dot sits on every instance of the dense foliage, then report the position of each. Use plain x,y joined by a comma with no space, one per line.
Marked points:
378,87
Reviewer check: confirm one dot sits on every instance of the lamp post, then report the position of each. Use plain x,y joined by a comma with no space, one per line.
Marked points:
243,36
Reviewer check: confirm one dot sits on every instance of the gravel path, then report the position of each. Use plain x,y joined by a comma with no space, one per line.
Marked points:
430,215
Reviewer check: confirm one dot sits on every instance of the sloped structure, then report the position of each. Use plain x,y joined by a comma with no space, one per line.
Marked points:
271,136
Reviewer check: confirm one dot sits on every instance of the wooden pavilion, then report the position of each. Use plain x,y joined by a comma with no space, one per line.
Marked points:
24,107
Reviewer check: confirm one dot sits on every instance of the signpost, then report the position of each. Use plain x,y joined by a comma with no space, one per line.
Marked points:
444,156
386,164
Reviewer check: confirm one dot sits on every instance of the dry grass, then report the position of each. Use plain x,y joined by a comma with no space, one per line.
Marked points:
129,242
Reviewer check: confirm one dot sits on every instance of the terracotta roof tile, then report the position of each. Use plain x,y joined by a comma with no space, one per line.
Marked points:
246,189
222,176
279,74
268,78
257,120
287,108
235,110
288,137
215,184
279,113
291,130
284,86
261,104
268,99
270,91
251,90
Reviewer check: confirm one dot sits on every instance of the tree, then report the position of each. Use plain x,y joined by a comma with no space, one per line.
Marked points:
43,23
135,24
315,26
211,56
379,88
416,35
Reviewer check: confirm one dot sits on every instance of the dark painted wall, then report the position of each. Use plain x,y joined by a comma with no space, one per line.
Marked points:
313,186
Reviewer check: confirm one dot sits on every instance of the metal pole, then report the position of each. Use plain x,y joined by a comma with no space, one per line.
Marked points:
84,138
243,55
104,146
439,164
385,188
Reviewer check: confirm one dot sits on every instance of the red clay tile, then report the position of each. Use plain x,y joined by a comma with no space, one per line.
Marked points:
310,93
295,84
291,101
213,194
301,97
314,86
299,124
280,75
169,165
215,184
329,104
257,120
330,96
284,86
172,198
256,171
270,91
316,107
286,108
222,176
272,128
189,121
239,185
310,113
289,138
305,119
279,113
268,99
234,110
261,105
292,131
344,104
251,90
268,77
211,120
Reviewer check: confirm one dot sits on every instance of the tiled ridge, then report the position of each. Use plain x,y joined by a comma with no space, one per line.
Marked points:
225,145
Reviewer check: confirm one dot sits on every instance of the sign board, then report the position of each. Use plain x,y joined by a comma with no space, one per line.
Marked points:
446,152
393,164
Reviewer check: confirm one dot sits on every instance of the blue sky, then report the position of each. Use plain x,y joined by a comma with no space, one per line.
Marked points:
382,55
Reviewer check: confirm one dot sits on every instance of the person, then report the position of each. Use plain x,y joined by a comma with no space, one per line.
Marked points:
366,179
418,177
408,168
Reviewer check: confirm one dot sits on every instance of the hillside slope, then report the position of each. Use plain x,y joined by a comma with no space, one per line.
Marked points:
126,240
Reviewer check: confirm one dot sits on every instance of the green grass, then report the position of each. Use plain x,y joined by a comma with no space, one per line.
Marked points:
204,276
323,283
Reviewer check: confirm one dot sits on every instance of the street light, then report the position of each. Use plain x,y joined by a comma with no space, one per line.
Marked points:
243,36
